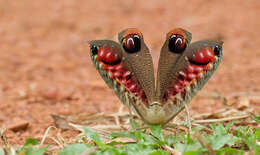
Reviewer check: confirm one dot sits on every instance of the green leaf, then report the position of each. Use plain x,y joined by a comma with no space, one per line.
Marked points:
188,147
93,136
196,152
113,143
218,129
246,136
148,140
227,151
133,124
220,136
35,151
111,151
189,139
198,128
171,139
126,134
139,149
159,152
219,141
31,141
257,133
2,152
257,118
138,135
229,125
74,149
156,131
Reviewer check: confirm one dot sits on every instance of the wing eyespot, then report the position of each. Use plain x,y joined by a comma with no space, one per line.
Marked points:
94,49
177,43
132,43
217,50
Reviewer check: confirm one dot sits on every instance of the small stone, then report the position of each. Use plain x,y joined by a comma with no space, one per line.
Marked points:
50,93
18,125
61,122
243,103
22,94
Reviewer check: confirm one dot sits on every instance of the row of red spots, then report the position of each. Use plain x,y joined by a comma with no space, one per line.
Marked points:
192,72
113,68
134,88
185,77
177,87
194,69
108,56
118,72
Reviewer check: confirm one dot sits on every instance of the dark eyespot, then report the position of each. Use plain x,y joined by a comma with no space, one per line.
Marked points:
132,43
217,50
94,49
177,43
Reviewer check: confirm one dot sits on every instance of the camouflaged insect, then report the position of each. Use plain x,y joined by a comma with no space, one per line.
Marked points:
183,69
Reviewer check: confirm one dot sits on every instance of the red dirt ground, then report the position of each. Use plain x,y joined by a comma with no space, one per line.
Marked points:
45,66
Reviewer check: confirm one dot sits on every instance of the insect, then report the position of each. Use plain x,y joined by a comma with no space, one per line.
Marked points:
183,69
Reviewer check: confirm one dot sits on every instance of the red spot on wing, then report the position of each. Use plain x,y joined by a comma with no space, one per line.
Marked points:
133,88
176,88
197,69
107,56
204,56
191,76
117,74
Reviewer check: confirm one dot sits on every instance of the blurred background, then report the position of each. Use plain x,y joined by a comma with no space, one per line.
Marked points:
45,66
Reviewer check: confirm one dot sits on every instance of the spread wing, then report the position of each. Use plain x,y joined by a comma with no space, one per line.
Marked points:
126,67
108,59
184,69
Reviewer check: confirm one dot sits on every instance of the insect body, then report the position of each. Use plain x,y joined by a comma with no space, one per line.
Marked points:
183,69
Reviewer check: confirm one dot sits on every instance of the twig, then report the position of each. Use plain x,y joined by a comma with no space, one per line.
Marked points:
117,117
204,143
188,118
107,127
221,119
76,126
2,136
209,114
204,127
171,130
248,94
168,148
46,135
61,139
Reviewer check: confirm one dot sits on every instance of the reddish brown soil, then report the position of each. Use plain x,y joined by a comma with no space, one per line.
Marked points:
45,66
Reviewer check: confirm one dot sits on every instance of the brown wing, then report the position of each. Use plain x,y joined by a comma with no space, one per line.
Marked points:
108,58
138,58
188,74
176,42
194,68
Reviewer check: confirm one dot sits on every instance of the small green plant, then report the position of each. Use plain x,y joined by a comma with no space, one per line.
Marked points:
155,143
224,140
30,149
